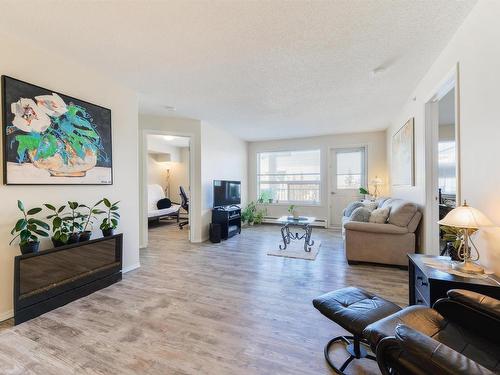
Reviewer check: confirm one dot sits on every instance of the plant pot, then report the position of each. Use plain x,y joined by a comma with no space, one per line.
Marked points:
73,238
85,236
250,223
270,201
29,247
107,232
57,243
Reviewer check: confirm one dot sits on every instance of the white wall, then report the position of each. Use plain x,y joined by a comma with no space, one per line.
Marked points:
61,74
223,157
475,47
374,141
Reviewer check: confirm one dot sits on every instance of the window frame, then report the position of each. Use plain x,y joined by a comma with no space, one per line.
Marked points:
288,202
364,167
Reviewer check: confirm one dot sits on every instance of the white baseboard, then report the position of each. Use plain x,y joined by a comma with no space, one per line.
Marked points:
131,268
6,315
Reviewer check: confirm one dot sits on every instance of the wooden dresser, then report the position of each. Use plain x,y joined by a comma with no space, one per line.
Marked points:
427,284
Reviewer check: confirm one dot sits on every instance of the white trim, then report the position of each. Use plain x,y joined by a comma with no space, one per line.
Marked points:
144,168
431,214
6,315
130,268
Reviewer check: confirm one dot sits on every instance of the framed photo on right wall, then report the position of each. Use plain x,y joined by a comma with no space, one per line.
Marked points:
403,155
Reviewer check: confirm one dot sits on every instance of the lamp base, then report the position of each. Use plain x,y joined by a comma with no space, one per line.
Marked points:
468,267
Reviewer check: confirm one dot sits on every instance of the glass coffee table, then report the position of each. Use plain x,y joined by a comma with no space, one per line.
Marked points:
302,221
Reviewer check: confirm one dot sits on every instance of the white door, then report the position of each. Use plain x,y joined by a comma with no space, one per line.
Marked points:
347,175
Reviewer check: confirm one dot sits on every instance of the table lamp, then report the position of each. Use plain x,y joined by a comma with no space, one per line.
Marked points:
465,218
376,182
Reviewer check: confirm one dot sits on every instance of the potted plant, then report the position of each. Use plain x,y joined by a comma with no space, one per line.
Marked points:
292,211
454,239
60,227
87,219
73,222
252,215
110,222
27,229
265,197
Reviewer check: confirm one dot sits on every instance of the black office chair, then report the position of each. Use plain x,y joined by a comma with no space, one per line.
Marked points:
184,205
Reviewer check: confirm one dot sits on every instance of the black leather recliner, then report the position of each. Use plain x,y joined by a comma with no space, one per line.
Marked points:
459,335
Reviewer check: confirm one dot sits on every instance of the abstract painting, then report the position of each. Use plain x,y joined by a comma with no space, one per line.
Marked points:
403,155
53,139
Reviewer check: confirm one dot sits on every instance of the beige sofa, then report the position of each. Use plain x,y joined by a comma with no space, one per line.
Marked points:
384,243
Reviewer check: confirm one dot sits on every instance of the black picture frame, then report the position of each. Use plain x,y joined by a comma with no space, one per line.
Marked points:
102,127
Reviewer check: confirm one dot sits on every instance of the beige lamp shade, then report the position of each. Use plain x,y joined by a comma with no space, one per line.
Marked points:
377,181
465,217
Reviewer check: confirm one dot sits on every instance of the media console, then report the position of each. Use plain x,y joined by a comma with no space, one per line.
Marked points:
229,219
52,278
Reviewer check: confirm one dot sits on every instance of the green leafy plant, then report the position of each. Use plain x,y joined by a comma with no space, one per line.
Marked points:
88,216
252,214
454,237
60,227
74,218
291,208
265,197
112,215
363,191
27,229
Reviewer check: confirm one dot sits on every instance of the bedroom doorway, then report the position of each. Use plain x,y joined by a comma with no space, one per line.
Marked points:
167,184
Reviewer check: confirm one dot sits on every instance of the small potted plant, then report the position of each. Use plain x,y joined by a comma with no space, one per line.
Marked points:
292,211
87,220
73,222
27,229
110,222
60,227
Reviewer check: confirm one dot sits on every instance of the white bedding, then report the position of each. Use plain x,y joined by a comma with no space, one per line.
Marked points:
165,211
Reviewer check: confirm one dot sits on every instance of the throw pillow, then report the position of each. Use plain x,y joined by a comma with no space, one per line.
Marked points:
380,215
371,205
164,203
351,207
360,214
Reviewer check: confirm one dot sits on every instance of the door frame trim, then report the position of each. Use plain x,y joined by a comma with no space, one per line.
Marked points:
331,151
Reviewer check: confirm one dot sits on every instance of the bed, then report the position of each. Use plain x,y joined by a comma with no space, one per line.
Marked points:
155,193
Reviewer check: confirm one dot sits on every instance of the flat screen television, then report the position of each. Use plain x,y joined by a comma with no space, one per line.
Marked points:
227,193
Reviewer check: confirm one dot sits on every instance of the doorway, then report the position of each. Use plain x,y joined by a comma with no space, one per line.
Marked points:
166,173
443,161
348,168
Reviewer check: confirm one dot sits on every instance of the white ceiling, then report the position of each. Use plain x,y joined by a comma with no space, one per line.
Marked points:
260,69
168,140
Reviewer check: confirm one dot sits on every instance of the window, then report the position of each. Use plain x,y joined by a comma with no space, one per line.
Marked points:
447,167
351,168
289,176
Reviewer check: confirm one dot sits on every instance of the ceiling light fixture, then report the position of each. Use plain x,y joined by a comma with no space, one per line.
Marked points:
169,108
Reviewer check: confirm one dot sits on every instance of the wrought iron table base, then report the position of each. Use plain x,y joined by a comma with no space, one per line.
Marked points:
289,236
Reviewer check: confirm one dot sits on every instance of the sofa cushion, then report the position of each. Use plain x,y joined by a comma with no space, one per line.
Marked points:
351,207
371,205
361,214
380,215
401,212
380,201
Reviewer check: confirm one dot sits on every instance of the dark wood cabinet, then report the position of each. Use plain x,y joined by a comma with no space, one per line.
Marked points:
229,219
427,284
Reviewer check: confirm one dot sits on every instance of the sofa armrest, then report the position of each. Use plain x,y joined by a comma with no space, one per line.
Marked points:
360,226
431,356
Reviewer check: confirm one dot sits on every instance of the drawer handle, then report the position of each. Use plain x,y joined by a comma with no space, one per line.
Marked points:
422,283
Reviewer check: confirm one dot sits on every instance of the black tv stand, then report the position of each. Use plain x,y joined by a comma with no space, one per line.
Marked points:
229,219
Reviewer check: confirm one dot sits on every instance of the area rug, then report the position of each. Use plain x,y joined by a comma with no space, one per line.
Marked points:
296,250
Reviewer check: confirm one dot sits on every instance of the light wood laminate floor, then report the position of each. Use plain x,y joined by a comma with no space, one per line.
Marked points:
201,309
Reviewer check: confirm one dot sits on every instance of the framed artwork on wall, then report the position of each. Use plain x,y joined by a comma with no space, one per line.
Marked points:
403,155
53,139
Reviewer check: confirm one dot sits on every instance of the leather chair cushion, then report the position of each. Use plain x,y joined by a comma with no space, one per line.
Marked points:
488,305
421,318
354,308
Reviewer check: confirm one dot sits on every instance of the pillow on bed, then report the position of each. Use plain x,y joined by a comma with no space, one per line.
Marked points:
163,203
